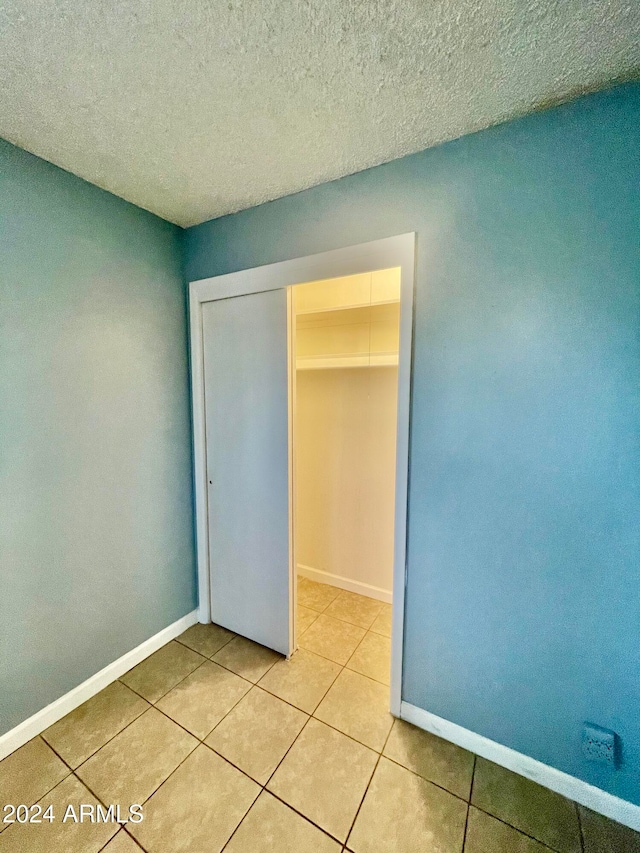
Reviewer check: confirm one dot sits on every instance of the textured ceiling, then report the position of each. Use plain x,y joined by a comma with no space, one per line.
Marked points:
198,108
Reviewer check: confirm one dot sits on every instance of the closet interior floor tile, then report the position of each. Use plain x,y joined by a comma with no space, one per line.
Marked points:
354,608
382,622
305,618
331,638
243,751
372,657
315,596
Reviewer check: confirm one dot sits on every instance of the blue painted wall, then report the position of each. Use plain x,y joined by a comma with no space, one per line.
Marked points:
96,535
523,615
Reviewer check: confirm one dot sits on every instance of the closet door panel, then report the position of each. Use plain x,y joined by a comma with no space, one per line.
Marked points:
246,411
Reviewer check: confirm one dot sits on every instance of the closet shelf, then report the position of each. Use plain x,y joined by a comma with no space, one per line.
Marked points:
333,362
325,309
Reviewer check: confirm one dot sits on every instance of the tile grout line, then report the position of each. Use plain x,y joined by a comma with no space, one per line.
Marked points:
101,801
303,816
178,640
135,841
154,704
96,751
344,622
424,778
290,747
518,830
72,771
277,796
381,754
273,794
581,829
204,660
64,761
263,787
366,791
146,800
150,705
201,743
311,715
346,665
466,820
78,779
499,819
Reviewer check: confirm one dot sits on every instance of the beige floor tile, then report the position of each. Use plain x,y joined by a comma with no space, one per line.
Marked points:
29,773
257,733
372,658
331,638
529,807
486,834
431,757
324,776
121,843
132,765
359,707
382,622
246,658
301,681
354,608
315,596
200,701
403,813
206,639
602,835
198,807
57,836
156,675
305,618
87,728
271,826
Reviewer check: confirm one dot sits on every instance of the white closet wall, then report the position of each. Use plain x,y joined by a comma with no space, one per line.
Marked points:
346,411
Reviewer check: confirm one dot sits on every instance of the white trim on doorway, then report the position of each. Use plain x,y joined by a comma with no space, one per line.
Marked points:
381,254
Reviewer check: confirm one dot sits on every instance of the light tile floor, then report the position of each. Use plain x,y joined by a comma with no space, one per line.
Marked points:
230,747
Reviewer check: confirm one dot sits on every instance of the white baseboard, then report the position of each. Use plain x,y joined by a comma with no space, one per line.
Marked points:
562,783
345,583
46,717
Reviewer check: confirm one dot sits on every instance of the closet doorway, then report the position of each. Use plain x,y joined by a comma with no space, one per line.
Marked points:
301,385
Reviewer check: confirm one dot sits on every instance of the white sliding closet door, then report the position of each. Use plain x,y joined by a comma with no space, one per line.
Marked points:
246,412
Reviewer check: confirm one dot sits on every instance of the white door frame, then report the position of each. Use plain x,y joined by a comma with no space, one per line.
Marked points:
366,257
